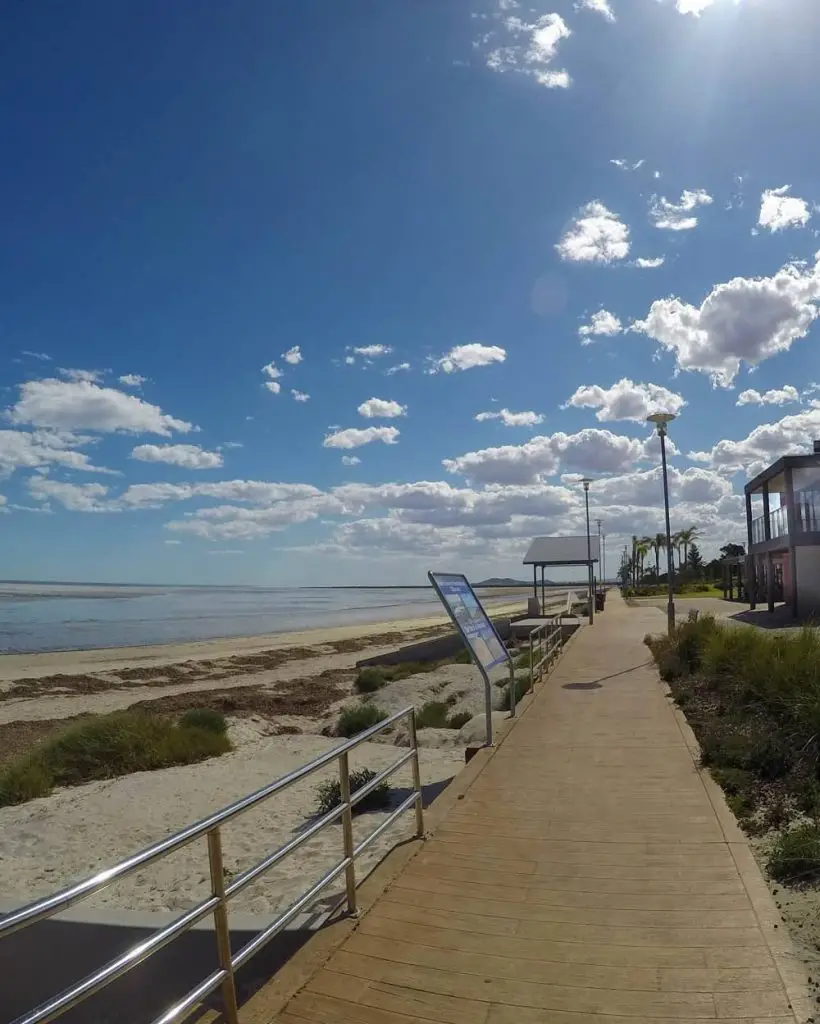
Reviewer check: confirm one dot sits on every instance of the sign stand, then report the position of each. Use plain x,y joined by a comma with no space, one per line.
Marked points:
478,633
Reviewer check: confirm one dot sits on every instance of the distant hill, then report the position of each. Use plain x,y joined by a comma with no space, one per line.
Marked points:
494,581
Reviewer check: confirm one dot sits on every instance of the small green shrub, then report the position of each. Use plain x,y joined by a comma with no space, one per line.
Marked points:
356,719
733,781
106,747
460,718
432,715
329,794
795,856
463,658
369,680
204,718
522,685
523,660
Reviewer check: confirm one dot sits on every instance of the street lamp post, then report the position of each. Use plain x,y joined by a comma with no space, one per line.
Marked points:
591,596
661,420
601,550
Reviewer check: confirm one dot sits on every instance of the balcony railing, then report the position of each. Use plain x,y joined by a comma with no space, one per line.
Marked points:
806,514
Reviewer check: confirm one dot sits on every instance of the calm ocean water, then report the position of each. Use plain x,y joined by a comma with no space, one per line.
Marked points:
59,617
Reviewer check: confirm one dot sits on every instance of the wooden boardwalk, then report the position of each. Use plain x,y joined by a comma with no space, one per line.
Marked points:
589,874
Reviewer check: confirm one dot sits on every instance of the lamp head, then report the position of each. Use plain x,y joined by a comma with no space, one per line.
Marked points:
661,420
586,481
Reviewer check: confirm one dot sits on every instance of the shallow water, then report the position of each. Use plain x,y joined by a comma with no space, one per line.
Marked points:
77,616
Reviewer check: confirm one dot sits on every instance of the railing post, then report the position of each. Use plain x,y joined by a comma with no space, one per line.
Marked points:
347,830
416,777
532,666
223,934
512,690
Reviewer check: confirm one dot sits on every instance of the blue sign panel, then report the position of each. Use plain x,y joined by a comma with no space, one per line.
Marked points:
469,616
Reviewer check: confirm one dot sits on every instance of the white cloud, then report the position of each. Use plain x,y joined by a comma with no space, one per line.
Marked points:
400,367
274,374
74,497
590,450
531,50
597,235
381,407
650,264
350,360
91,376
744,320
355,438
254,492
132,380
233,522
791,435
171,540
82,405
22,449
371,352
779,210
602,322
226,551
512,419
42,356
189,456
467,357
626,400
293,355
350,460
599,6
299,396
777,396
670,216
625,165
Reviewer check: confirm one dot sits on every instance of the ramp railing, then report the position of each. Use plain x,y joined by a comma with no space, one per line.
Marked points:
545,643
221,891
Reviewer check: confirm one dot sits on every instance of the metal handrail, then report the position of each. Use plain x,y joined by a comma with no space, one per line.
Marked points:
217,902
545,642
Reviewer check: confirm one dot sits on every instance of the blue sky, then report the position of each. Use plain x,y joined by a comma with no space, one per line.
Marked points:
336,293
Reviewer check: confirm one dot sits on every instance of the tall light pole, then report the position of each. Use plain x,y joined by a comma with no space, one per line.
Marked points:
591,596
661,420
601,550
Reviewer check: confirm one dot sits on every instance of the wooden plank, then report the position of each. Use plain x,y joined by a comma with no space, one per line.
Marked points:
703,938
554,951
544,893
328,1010
519,993
451,897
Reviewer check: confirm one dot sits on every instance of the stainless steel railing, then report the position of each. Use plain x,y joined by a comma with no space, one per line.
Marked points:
545,643
222,893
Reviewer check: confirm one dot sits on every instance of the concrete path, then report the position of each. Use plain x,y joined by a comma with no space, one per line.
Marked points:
589,874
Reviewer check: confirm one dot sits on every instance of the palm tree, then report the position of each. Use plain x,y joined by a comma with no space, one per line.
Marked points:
684,539
658,542
634,560
641,551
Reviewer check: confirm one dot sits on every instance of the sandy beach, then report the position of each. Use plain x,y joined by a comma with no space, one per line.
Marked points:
281,695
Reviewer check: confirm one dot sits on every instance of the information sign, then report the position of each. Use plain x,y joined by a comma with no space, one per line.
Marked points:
470,619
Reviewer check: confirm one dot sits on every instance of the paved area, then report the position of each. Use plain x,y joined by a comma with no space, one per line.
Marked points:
589,874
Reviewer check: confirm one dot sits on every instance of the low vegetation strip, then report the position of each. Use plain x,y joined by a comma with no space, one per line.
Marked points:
753,701
108,746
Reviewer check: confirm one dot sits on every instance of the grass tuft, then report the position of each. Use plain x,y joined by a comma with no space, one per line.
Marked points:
204,718
329,794
369,680
356,719
522,685
106,747
795,857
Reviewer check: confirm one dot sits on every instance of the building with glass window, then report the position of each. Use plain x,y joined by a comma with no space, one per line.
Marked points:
783,529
